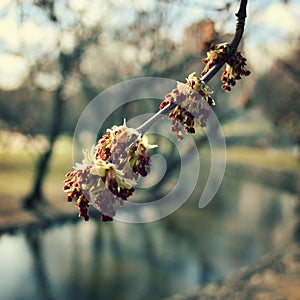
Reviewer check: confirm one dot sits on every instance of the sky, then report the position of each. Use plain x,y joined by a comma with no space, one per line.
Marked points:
272,29
273,33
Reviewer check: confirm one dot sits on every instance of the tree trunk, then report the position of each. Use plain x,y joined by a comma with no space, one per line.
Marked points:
36,195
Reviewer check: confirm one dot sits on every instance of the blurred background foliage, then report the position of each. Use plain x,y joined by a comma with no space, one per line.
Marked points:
56,56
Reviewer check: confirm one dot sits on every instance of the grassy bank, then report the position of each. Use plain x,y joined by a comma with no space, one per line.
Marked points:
17,173
17,168
273,167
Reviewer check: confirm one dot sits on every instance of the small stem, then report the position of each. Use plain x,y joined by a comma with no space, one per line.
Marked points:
152,120
212,72
240,24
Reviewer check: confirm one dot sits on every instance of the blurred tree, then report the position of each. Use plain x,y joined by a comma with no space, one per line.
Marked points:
199,36
278,91
69,70
148,35
68,65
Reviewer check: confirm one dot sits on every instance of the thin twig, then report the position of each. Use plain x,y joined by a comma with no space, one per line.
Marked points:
240,24
241,15
152,120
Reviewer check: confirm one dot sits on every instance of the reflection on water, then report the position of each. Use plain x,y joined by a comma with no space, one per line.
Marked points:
191,247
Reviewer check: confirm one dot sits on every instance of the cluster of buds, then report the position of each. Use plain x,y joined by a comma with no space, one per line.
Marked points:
109,172
113,147
235,64
216,54
138,159
73,190
235,68
192,100
107,175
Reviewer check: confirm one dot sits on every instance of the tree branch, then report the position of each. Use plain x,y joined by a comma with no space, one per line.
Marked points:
240,24
241,15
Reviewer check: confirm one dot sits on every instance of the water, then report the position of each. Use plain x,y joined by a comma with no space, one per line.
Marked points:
190,248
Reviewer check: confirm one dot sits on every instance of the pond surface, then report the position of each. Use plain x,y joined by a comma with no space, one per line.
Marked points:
190,248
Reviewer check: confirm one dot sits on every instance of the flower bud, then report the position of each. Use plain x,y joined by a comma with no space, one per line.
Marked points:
192,101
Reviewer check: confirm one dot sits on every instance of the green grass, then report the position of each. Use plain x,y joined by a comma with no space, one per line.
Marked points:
17,169
266,158
272,159
17,173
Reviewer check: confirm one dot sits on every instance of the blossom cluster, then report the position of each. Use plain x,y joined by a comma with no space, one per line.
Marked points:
235,64
108,174
234,69
192,100
216,54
